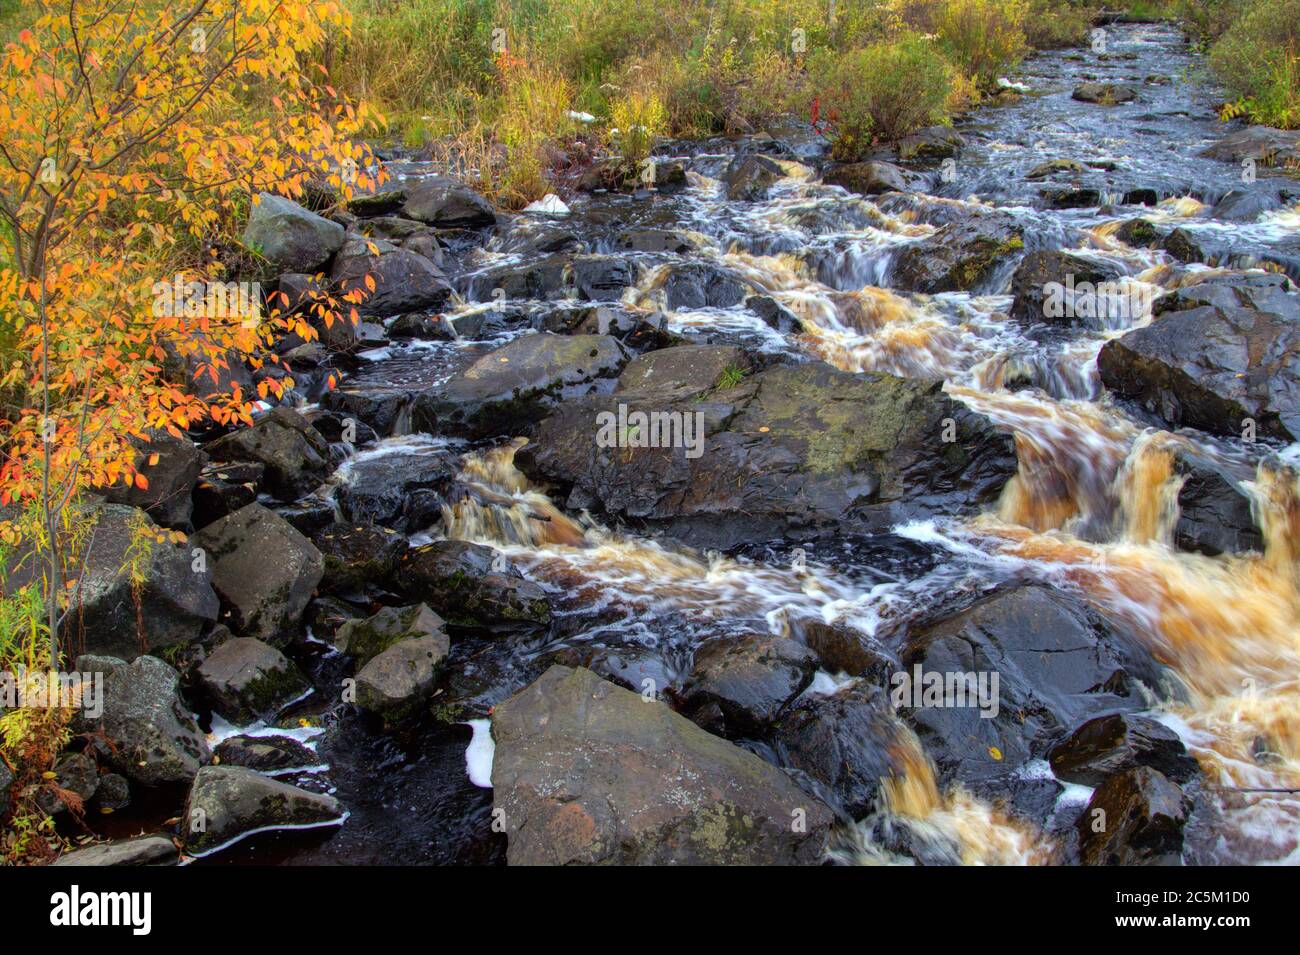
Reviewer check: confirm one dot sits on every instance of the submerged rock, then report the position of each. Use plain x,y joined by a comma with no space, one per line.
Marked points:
748,178
586,772
227,803
1046,287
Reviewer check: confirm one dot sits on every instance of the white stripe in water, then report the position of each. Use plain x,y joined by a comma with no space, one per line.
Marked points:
479,753
253,832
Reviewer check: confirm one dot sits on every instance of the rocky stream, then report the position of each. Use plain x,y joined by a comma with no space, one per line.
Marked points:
1019,398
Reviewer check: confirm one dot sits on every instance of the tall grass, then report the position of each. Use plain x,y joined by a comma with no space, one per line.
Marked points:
1258,61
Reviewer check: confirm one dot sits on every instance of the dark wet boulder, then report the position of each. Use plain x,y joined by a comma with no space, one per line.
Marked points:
308,517
403,281
170,603
602,278
114,793
449,204
1214,511
1118,742
775,315
1213,366
295,455
1135,817
357,554
377,203
473,588
404,490
931,144
151,737
586,772
510,387
398,681
6,786
1055,662
542,279
867,178
801,449
1138,233
364,639
1072,197
748,178
702,285
224,488
1247,205
227,803
266,754
148,850
171,467
841,648
848,742
962,256
750,677
656,240
264,570
421,325
76,778
248,680
290,237
299,293
1103,94
1046,288
1052,167
1180,244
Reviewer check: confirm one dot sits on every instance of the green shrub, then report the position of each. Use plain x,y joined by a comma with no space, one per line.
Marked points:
1256,60
1053,24
882,92
982,38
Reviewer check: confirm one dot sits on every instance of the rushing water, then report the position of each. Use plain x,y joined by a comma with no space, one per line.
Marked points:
1093,506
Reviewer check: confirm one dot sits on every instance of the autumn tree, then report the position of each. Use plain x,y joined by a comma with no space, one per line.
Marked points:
132,136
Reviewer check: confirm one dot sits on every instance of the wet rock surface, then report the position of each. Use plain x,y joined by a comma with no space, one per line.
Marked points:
587,772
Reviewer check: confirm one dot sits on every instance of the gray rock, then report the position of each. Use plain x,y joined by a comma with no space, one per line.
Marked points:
248,680
868,178
149,850
750,678
289,236
586,772
266,754
264,570
171,475
76,773
1103,94
155,739
227,803
398,680
114,792
170,606
403,280
363,640
295,455
1118,742
505,390
444,202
